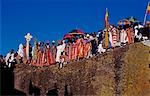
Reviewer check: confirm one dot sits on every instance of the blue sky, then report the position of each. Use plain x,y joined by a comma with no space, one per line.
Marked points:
51,19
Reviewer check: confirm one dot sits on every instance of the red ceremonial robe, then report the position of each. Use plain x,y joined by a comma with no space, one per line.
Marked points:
132,35
74,54
48,56
39,58
129,36
44,58
87,49
80,47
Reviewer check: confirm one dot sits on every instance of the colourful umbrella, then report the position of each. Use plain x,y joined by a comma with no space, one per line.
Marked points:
132,19
68,36
76,32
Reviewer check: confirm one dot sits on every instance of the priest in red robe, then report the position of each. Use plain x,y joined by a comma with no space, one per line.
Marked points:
39,57
67,52
53,53
87,49
48,54
129,35
74,51
80,47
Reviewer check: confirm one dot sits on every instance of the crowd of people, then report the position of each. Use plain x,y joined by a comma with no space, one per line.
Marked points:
77,45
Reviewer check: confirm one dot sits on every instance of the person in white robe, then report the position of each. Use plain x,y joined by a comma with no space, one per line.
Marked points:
9,59
100,48
33,49
139,36
63,46
20,51
28,37
60,49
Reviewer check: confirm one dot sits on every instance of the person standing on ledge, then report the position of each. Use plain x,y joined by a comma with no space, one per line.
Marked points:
60,48
28,37
48,53
53,50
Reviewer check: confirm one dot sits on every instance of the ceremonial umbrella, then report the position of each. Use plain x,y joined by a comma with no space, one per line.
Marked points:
68,36
132,19
76,32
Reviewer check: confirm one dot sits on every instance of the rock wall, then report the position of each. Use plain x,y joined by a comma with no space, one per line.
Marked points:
136,71
121,72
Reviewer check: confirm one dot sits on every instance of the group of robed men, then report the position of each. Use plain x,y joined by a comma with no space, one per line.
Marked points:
84,46
43,54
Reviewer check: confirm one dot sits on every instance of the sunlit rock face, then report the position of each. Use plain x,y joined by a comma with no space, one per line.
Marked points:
122,72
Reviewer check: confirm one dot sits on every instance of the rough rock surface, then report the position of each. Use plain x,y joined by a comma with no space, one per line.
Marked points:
122,72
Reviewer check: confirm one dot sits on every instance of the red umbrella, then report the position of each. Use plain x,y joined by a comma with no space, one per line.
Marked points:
68,36
76,32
